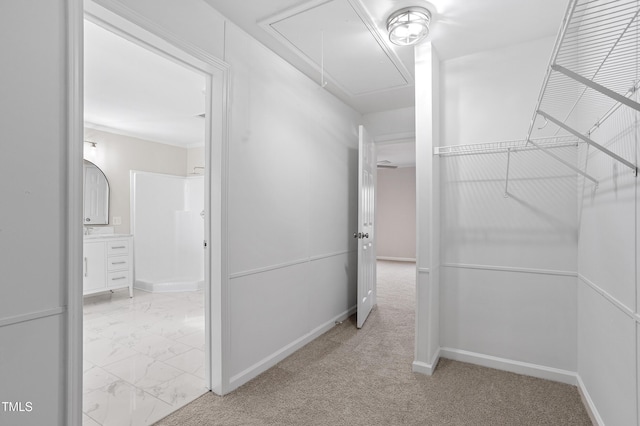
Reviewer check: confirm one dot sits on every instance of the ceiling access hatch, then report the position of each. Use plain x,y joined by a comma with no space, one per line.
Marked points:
339,39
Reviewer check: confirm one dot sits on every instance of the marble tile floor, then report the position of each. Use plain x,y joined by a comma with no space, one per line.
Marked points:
143,356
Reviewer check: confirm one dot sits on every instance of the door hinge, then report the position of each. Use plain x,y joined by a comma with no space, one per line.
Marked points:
204,243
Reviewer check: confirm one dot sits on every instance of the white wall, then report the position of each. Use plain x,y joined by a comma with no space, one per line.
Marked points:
391,125
33,227
396,214
508,285
292,207
507,282
192,21
490,96
117,155
608,294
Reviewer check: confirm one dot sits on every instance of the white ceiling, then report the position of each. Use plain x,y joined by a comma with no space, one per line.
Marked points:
132,91
342,50
459,27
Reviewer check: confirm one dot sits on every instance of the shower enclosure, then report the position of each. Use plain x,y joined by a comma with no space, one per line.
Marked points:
167,223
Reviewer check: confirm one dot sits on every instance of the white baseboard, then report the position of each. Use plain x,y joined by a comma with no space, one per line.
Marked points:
424,368
396,259
588,403
168,287
519,367
268,362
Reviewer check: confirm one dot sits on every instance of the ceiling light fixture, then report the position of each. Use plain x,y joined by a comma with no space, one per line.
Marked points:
408,26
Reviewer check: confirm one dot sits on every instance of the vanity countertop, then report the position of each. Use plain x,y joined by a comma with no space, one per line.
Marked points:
106,236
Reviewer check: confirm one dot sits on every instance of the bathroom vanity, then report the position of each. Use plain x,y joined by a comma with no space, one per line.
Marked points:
107,263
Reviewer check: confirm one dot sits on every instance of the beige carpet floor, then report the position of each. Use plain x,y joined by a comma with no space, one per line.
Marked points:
363,377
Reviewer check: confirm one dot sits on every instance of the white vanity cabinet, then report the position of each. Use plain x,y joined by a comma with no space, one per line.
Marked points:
93,267
108,264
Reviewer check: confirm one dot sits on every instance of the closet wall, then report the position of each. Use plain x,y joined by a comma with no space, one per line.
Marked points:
543,279
608,274
507,280
595,74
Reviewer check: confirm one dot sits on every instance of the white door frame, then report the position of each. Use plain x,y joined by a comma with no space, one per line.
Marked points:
138,29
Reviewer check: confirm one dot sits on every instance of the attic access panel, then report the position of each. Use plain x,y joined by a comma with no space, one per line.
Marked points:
338,37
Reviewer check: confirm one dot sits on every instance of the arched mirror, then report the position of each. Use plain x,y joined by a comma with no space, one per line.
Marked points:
96,195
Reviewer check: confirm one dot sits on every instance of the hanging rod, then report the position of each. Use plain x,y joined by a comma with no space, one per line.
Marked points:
561,160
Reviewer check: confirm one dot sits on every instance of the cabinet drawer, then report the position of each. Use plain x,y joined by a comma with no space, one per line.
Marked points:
115,263
117,247
118,279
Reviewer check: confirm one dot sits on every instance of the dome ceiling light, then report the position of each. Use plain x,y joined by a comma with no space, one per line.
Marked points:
408,26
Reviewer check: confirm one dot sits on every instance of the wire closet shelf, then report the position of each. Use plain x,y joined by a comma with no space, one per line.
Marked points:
505,146
545,144
592,73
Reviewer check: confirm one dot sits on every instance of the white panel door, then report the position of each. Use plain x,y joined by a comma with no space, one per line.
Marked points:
366,226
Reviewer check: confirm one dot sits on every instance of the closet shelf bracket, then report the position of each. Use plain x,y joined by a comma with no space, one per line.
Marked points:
589,141
595,86
566,163
614,108
506,180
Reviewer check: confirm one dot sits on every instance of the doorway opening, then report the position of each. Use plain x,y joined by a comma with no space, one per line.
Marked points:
396,224
143,323
212,118
396,206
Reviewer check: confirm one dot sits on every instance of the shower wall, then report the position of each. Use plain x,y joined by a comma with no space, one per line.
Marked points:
168,231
